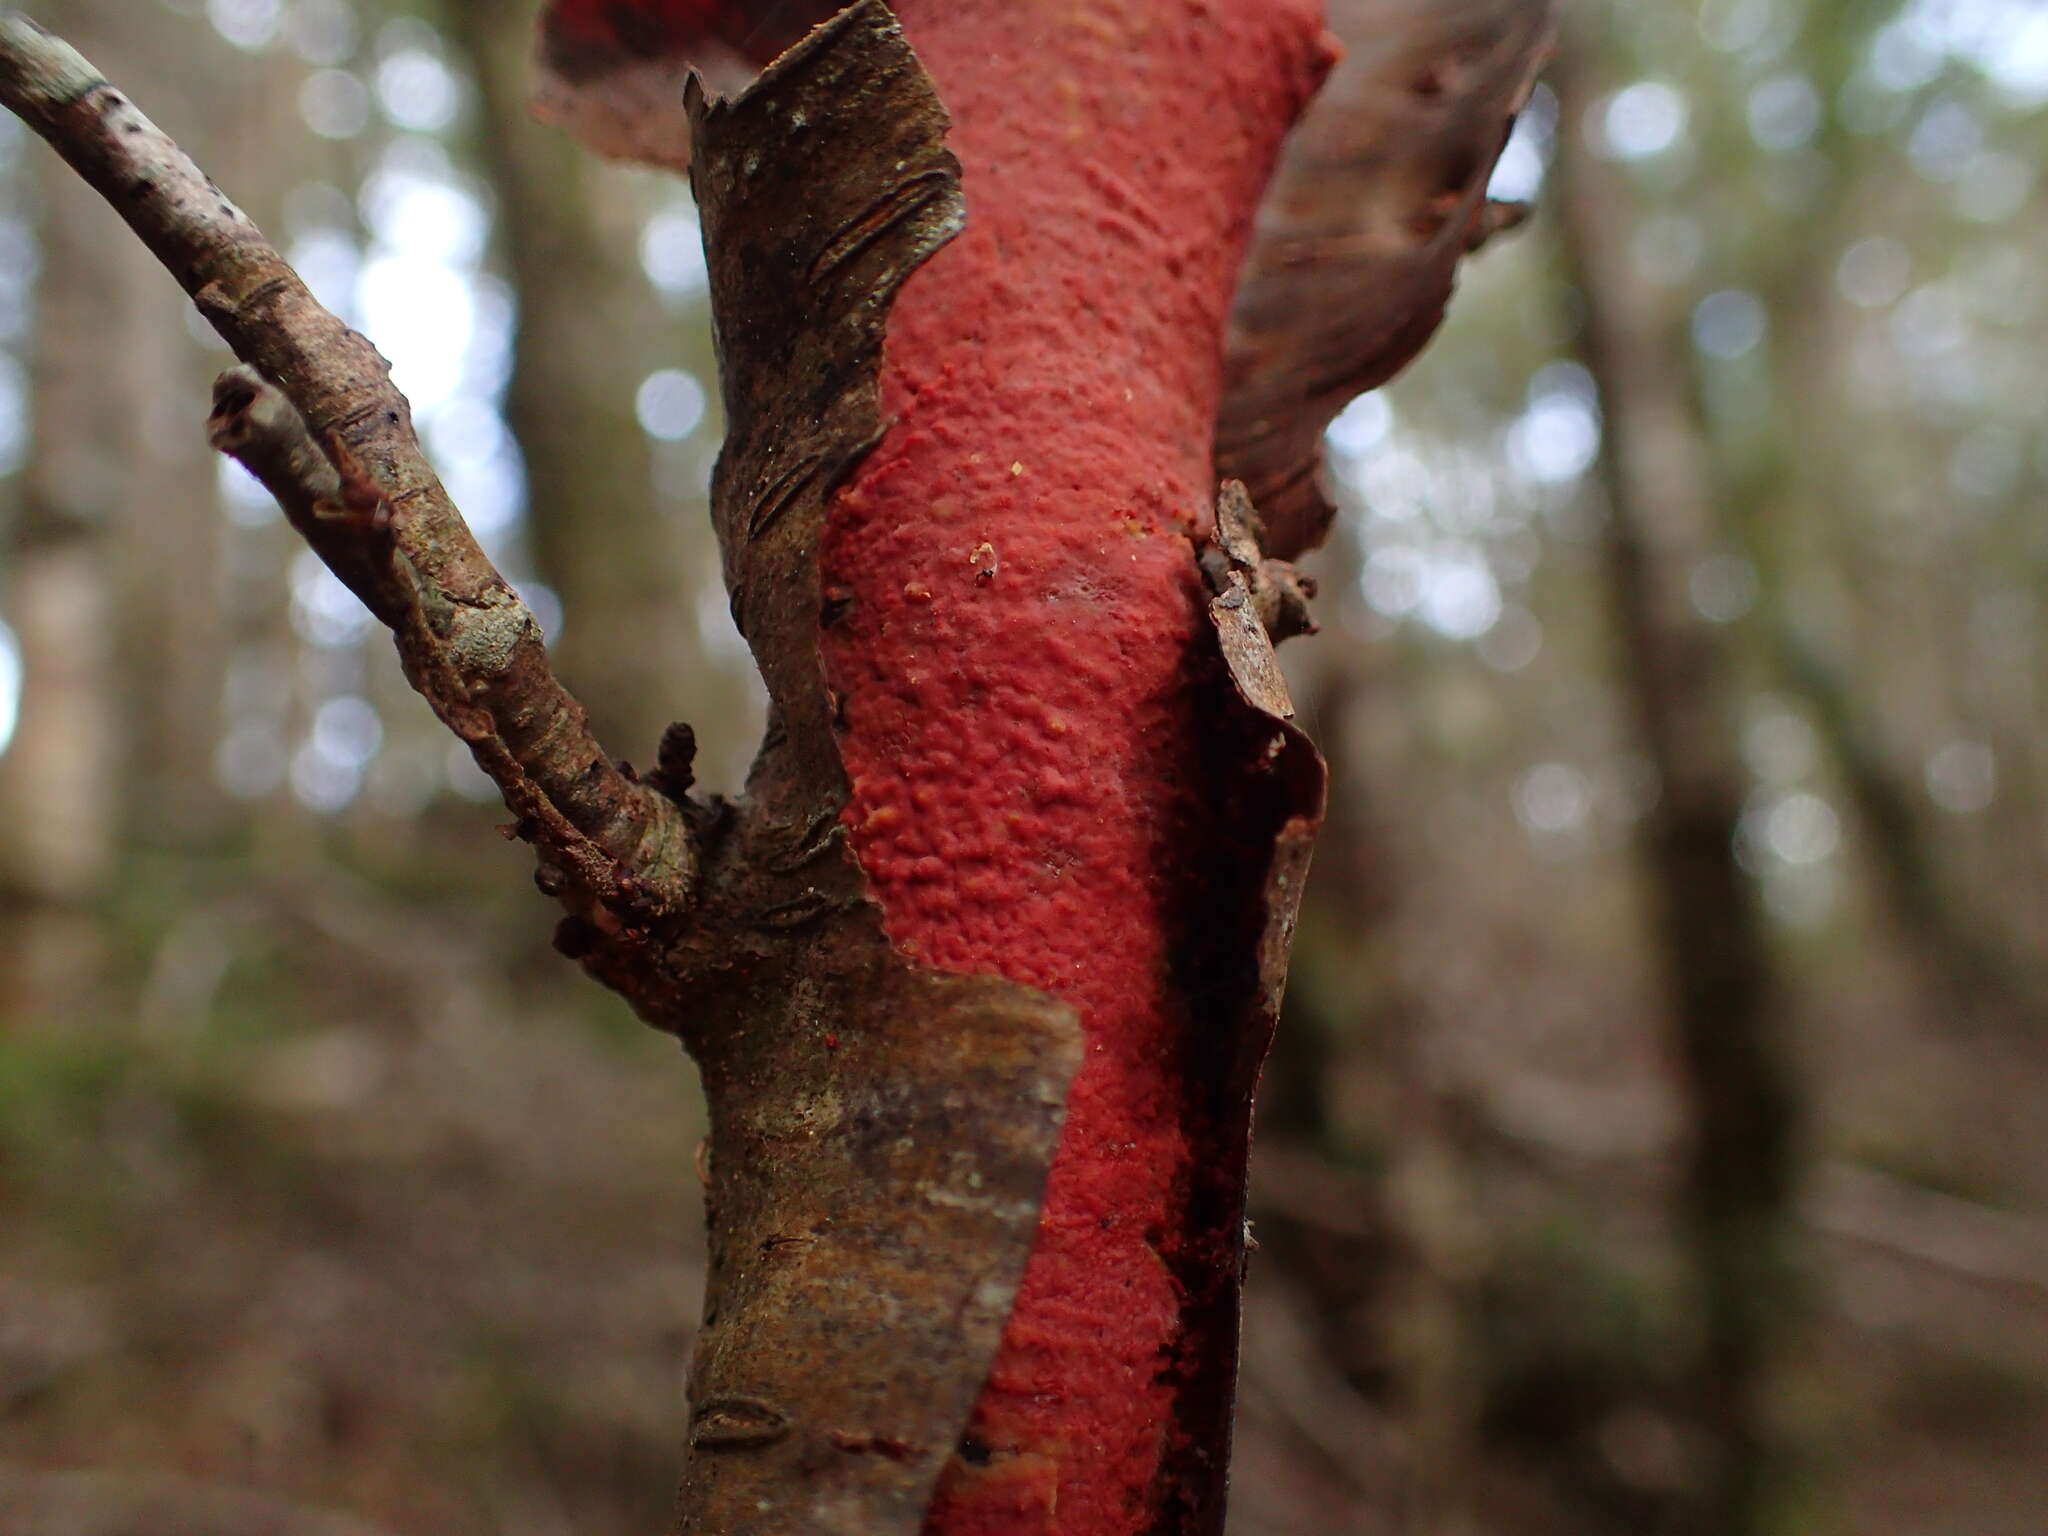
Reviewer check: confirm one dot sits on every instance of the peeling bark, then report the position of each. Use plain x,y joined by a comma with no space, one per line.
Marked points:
1052,776
880,1131
1381,194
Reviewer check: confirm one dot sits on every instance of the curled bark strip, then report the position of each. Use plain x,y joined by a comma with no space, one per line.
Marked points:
1277,785
339,447
880,1132
1382,191
1273,592
1241,629
611,72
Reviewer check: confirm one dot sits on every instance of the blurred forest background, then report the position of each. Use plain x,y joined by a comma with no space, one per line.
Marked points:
1655,1141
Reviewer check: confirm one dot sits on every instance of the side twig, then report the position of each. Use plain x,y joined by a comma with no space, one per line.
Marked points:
334,442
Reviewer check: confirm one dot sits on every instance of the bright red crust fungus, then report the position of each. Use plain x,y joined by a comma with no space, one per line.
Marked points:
1018,658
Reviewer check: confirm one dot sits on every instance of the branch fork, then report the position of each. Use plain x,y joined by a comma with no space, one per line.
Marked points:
852,1091
856,1095
312,413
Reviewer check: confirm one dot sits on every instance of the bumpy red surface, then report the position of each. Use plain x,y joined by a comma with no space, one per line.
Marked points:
1015,657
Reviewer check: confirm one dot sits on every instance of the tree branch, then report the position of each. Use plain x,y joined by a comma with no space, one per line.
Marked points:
336,445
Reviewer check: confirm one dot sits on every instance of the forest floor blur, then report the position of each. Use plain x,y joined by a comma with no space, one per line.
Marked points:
369,1215
376,1209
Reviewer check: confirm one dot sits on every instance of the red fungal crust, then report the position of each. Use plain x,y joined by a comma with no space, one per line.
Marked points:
1016,662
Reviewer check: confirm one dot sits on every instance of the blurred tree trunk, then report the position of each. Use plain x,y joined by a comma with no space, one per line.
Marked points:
1726,1004
590,330
1353,1083
57,781
114,573
1973,981
1969,973
173,629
